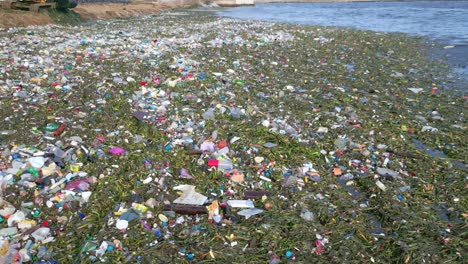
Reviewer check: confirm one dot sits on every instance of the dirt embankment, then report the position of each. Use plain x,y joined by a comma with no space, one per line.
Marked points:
18,18
91,11
94,11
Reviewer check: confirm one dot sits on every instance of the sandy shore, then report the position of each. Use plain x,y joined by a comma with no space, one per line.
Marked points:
19,18
93,11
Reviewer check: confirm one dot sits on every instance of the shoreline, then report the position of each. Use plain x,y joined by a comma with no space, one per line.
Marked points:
455,55
95,11
98,11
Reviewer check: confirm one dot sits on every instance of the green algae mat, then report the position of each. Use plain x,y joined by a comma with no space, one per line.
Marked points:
185,137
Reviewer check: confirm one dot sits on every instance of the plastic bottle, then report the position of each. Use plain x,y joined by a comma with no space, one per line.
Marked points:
224,165
59,130
58,152
41,233
51,127
7,132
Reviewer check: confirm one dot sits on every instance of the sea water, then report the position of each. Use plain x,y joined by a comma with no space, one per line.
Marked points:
443,21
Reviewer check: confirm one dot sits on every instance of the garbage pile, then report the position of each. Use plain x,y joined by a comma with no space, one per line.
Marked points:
186,137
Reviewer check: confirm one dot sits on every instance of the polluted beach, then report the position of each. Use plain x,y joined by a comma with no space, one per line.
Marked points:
186,137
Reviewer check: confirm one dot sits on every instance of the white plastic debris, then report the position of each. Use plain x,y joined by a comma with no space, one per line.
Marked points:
381,185
241,203
37,162
307,215
41,234
250,212
189,195
121,224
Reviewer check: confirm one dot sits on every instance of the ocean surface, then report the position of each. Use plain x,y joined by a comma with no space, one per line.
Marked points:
443,21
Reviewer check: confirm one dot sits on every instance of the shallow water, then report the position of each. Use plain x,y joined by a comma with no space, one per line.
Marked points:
437,153
443,21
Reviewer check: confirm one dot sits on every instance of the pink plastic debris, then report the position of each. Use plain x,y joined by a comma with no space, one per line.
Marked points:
117,151
81,184
185,174
319,248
